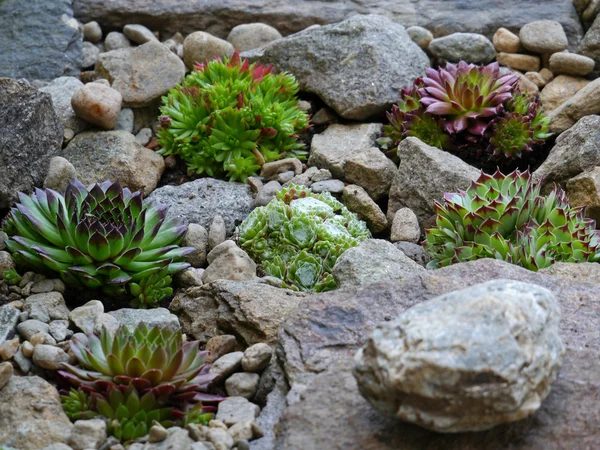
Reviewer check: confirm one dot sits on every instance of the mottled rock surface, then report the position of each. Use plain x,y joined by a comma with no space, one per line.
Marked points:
30,135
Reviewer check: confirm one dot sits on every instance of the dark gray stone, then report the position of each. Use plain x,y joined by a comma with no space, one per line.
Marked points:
218,17
9,318
30,135
201,200
37,42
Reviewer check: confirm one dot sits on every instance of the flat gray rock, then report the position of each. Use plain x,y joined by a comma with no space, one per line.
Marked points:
39,40
199,201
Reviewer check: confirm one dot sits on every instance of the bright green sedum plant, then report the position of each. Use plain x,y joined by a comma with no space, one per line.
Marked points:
505,217
299,236
99,237
228,118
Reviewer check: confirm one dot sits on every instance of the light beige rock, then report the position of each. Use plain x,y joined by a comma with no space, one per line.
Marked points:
9,348
506,41
370,169
527,86
420,36
232,263
584,190
543,37
585,102
547,75
571,64
358,201
405,226
201,47
6,372
465,361
98,104
252,35
536,79
527,63
31,416
559,90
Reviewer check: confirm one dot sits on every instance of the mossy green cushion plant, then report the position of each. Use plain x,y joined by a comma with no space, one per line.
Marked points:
470,110
100,237
299,236
505,217
229,117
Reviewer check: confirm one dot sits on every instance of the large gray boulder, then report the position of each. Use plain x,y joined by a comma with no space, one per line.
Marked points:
218,17
465,361
30,135
317,344
337,62
40,40
424,175
199,201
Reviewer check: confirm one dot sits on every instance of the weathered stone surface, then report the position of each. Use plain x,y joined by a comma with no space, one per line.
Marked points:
584,103
506,41
519,62
358,201
9,318
559,90
257,357
218,17
405,226
39,41
252,35
590,44
141,74
138,33
370,169
242,385
469,47
98,104
420,36
543,37
373,260
575,151
31,416
53,302
331,149
200,200
200,46
30,135
49,357
317,345
571,63
232,263
196,237
465,361
330,61
88,434
250,311
236,409
62,90
424,175
131,318
114,155
584,190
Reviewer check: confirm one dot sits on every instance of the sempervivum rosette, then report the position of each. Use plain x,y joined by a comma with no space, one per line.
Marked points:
505,217
102,236
470,110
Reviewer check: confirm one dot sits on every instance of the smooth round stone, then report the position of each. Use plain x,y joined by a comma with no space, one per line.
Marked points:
571,64
252,35
98,104
544,37
92,32
201,47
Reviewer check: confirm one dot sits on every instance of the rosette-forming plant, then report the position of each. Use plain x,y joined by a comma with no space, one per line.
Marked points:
135,378
299,236
505,217
99,237
229,117
469,110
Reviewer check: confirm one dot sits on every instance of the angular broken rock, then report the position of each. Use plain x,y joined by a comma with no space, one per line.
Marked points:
465,361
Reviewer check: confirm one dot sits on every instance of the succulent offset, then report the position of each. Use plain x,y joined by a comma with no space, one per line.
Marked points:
135,377
99,237
468,109
505,217
228,118
299,236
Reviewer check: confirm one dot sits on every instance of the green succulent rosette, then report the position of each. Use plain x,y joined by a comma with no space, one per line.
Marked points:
505,217
299,236
100,237
229,117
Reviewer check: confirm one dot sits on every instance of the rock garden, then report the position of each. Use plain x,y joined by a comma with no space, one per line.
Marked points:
299,225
